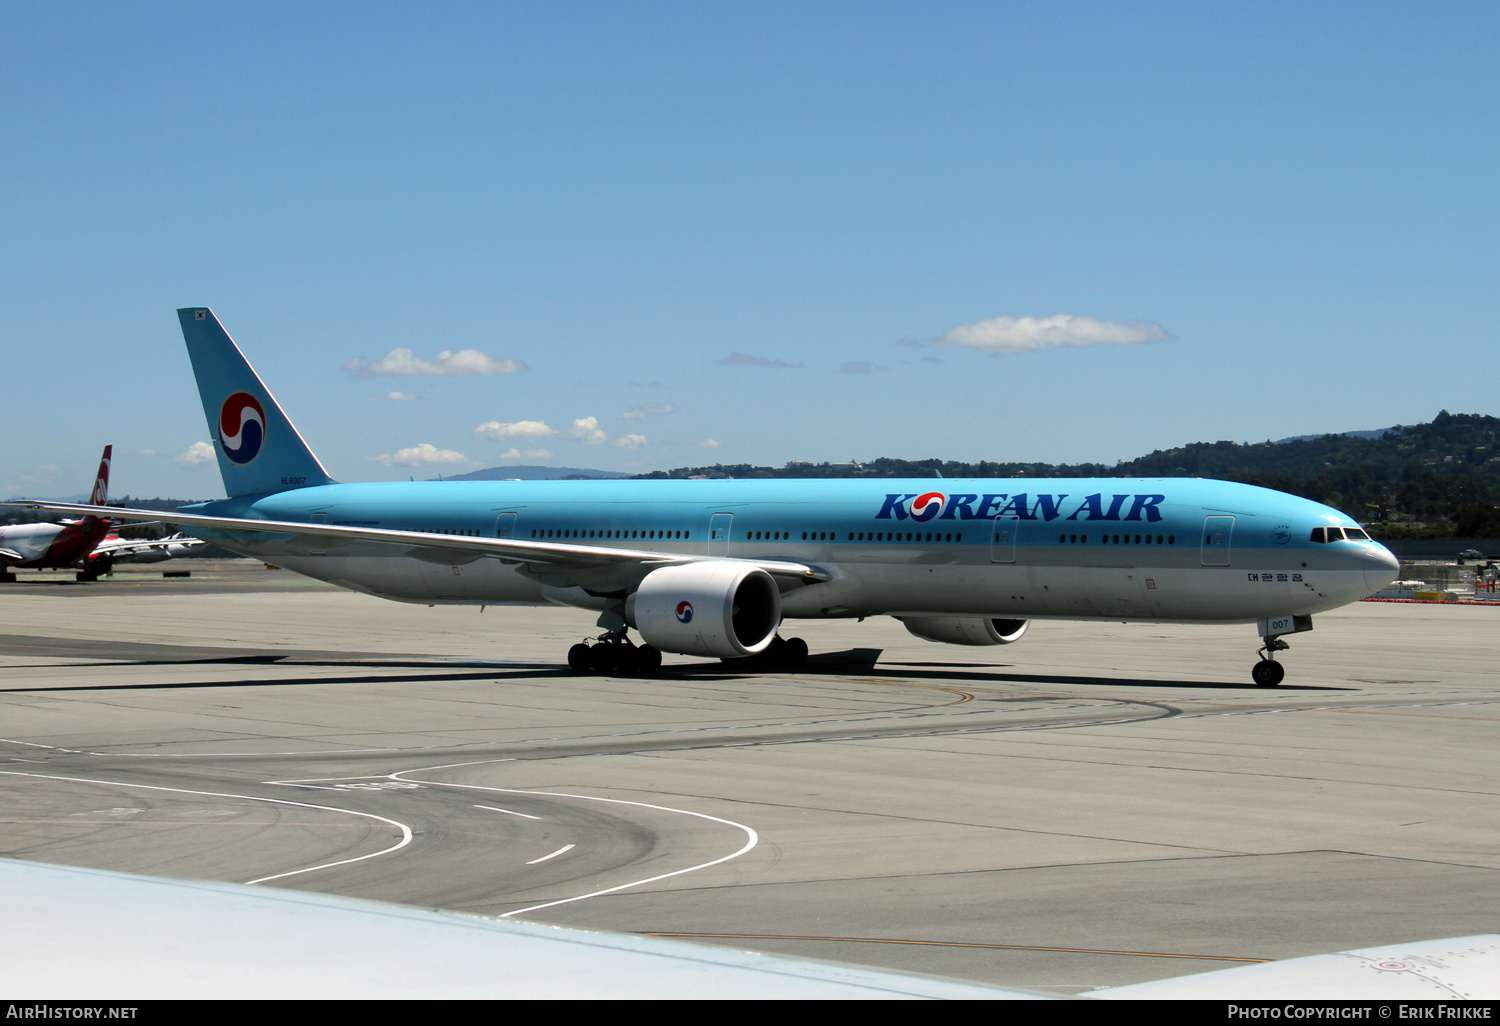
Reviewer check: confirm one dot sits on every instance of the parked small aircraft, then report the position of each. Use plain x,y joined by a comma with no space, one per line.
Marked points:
53,546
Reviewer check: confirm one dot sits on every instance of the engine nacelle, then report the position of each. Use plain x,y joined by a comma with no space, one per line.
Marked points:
725,610
965,630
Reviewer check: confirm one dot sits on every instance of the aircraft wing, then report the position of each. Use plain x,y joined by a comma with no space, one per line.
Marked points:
443,548
94,934
1450,969
89,934
11,554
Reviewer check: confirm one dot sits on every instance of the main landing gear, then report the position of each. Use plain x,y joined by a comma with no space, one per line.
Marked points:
1268,672
614,653
783,655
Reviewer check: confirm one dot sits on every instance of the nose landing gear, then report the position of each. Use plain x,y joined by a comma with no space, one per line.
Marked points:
1268,672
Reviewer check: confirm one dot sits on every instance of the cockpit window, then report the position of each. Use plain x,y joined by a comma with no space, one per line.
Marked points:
1333,534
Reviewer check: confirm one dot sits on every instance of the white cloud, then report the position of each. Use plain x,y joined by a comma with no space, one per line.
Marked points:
198,453
402,362
42,474
423,455
1024,334
529,454
586,429
394,397
146,452
709,443
746,360
495,431
645,410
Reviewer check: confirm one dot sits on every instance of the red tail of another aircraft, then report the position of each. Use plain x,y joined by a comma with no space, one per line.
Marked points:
100,495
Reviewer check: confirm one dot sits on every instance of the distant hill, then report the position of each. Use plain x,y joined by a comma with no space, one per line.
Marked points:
534,474
1377,433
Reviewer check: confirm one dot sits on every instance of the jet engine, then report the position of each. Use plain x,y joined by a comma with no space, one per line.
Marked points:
965,630
724,610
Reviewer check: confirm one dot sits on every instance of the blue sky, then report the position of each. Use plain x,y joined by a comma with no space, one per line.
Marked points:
1041,231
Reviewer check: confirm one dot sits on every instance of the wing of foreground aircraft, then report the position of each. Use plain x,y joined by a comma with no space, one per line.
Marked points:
86,933
441,548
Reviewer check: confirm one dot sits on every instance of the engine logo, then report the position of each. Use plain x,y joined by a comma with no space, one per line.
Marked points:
685,612
242,427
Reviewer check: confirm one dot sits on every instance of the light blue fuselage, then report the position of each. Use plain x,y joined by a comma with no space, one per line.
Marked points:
1175,549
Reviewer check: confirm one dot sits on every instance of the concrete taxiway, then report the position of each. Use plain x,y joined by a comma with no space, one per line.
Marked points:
1099,804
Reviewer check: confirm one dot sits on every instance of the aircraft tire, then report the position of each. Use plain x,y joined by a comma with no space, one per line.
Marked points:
604,658
794,654
580,659
85,577
1267,674
781,656
648,660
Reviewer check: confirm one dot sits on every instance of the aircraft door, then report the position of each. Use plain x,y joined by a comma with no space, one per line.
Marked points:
1003,540
718,533
505,525
1216,535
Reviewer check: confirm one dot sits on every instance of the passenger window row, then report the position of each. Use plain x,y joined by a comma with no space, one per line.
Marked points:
610,533
1319,534
1117,539
625,534
898,536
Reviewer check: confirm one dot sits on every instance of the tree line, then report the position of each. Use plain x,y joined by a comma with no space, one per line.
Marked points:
1435,480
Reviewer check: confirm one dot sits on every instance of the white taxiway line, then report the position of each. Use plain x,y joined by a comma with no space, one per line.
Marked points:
405,830
544,858
491,808
752,837
33,744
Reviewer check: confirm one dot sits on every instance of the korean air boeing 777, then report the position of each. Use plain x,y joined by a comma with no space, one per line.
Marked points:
712,568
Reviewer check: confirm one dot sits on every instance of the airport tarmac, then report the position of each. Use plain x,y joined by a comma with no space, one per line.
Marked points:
1099,804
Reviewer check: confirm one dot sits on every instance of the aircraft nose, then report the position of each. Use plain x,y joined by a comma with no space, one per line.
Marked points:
1381,567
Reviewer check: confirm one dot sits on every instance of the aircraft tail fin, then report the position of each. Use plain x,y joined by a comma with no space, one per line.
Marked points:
258,448
100,495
